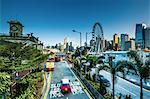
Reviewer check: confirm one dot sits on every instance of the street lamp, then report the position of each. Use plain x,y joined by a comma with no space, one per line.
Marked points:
80,37
80,48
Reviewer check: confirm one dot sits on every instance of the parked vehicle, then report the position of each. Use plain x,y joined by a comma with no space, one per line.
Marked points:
100,78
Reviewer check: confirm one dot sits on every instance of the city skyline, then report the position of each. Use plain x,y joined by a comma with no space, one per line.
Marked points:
52,21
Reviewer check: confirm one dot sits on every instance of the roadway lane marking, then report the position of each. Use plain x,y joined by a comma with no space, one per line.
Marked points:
55,90
125,81
79,81
127,90
48,85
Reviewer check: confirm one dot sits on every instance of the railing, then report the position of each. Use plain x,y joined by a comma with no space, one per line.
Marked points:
93,91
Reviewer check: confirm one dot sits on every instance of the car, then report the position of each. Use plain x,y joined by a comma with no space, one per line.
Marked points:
103,80
57,59
51,59
65,86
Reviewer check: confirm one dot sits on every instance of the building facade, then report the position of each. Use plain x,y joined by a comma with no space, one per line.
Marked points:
116,42
130,45
71,48
147,38
124,38
139,36
16,36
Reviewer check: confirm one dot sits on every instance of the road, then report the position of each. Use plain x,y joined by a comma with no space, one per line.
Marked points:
125,87
62,70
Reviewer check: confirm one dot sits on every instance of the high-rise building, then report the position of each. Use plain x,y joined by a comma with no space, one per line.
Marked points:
130,45
147,38
67,47
111,45
139,36
71,48
124,38
116,42
65,42
108,45
70,43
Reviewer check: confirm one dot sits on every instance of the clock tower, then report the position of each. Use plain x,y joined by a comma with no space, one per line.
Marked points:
16,28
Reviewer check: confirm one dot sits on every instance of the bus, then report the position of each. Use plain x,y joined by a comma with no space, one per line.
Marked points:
49,66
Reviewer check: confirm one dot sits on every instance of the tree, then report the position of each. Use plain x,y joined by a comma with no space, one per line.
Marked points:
142,69
5,84
113,68
84,52
122,65
93,60
11,62
77,52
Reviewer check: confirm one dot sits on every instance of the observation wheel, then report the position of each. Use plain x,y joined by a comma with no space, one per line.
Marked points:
98,38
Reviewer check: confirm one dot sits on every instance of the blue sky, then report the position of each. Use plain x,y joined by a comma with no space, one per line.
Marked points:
52,20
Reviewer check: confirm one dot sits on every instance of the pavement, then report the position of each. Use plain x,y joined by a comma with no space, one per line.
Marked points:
62,70
125,87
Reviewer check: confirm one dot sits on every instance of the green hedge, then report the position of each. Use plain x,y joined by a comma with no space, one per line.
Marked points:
31,81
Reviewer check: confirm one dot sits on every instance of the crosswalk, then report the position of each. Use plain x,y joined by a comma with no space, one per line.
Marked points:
55,91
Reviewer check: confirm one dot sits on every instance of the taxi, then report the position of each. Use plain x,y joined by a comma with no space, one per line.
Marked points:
65,86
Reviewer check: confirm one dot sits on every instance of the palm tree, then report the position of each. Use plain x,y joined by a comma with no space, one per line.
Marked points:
93,60
122,64
113,70
142,69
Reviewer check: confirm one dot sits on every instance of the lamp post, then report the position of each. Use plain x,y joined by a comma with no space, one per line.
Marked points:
80,36
80,48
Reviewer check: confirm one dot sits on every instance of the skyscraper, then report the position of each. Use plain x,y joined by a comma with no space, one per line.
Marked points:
130,45
147,38
124,38
139,36
65,42
116,42
71,48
